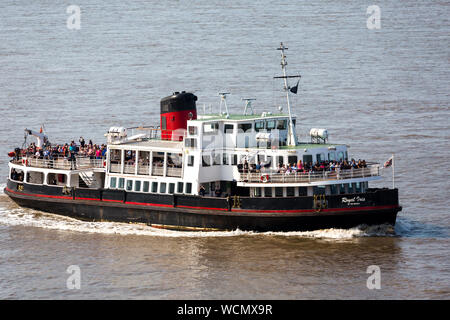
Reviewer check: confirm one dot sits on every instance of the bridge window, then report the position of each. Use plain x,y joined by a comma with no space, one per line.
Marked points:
210,128
244,127
340,156
281,124
270,125
259,125
228,128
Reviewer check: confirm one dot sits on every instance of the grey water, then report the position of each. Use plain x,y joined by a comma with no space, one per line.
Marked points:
382,91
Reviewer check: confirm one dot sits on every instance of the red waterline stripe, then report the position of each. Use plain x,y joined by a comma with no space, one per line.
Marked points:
93,199
38,195
322,210
111,200
149,204
205,208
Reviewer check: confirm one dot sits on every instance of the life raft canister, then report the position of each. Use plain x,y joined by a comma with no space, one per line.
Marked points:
265,178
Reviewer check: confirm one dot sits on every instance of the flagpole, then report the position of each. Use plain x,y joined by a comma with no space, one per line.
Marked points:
393,172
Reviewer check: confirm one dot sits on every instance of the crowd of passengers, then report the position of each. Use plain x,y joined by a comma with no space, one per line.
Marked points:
67,150
301,167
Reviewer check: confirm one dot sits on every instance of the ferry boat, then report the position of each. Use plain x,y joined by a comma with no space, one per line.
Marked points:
208,172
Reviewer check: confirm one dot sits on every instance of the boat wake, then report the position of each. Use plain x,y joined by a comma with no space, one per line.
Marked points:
11,215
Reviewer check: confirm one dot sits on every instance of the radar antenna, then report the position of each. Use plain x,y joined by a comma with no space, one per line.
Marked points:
248,105
223,99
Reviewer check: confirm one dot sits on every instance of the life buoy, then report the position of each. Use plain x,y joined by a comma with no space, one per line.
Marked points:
265,178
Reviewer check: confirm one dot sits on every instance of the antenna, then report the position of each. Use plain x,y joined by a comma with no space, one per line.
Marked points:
248,105
223,98
291,139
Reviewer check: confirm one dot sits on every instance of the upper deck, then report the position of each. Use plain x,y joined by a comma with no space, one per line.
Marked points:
62,163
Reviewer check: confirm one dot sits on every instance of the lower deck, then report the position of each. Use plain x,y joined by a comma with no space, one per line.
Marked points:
375,206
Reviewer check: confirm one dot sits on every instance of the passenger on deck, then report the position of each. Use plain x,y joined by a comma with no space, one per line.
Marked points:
202,191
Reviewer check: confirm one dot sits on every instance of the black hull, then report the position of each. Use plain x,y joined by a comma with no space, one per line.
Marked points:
203,213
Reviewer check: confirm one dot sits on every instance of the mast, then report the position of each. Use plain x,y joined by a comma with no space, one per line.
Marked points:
291,140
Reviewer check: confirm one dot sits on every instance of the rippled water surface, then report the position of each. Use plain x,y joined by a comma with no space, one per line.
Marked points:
380,91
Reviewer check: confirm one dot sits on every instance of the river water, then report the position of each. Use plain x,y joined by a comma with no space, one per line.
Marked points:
382,91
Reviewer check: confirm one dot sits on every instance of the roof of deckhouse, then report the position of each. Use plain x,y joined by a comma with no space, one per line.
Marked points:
239,117
150,143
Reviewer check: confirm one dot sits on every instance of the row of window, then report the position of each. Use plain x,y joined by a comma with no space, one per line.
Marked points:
343,188
154,187
213,127
223,159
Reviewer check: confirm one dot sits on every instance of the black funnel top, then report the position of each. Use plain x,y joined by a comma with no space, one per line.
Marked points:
178,102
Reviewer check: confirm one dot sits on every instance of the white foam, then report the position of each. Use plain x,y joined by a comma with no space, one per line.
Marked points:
2,188
33,218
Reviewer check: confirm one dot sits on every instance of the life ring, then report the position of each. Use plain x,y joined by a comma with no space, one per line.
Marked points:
265,178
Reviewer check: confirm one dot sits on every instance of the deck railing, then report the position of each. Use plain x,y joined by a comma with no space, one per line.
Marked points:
61,163
305,177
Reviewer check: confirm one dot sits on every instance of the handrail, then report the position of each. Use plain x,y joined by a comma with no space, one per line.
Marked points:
63,163
305,177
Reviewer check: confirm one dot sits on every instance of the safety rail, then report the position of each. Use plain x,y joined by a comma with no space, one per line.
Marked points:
305,177
78,163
